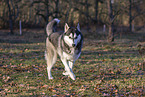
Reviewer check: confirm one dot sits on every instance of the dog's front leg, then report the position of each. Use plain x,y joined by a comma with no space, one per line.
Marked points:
71,63
68,68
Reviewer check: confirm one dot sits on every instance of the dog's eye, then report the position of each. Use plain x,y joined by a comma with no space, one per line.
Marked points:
69,37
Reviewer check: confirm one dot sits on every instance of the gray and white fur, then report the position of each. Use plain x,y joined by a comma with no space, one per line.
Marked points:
67,45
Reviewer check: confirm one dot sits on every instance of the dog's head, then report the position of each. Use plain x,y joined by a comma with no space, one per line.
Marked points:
72,36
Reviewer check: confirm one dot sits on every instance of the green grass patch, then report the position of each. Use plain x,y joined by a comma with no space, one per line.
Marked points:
103,69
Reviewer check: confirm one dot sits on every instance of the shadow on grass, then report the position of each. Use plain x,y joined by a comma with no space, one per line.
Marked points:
32,36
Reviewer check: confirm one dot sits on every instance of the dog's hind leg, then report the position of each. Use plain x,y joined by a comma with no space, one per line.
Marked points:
50,62
51,57
68,68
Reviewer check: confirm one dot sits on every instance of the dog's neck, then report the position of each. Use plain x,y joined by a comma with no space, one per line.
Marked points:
64,46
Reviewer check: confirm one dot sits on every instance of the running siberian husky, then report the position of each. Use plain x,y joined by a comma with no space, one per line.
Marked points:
67,45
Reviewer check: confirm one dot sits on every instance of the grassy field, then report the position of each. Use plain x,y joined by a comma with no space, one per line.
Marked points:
103,69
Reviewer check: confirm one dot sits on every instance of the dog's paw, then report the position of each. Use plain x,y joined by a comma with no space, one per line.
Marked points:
50,78
73,77
65,73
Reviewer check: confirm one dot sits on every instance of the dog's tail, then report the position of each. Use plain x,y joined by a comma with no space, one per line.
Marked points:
51,26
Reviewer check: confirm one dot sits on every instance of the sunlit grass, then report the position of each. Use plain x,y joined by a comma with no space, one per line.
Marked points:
102,70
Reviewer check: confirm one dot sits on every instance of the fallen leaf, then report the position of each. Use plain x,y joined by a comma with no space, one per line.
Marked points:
44,86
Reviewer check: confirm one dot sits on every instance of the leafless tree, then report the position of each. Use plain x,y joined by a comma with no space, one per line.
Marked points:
135,5
13,13
111,19
96,9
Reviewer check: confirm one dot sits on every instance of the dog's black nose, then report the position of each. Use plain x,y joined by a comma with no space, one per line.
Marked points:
73,45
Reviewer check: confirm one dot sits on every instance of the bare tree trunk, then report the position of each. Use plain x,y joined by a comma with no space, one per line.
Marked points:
10,18
13,14
87,13
110,35
111,25
68,11
57,9
47,11
130,15
96,10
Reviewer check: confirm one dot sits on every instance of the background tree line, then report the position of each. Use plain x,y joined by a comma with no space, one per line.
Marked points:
89,13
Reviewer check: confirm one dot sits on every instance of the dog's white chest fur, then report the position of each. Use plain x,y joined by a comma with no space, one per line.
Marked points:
71,57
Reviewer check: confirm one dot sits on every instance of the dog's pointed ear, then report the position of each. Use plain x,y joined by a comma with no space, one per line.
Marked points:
66,27
78,27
